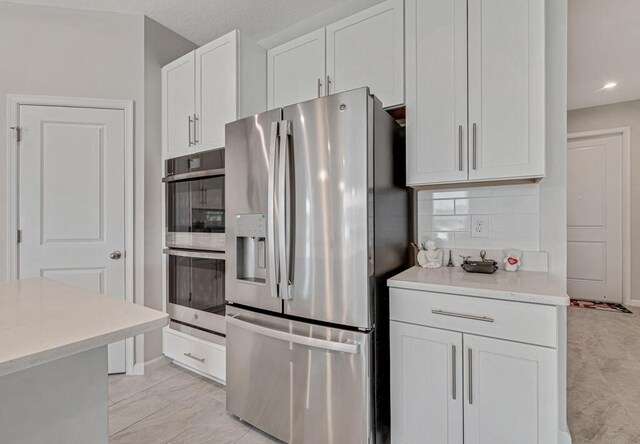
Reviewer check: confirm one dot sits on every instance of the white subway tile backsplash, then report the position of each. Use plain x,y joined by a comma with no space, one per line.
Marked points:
445,223
515,205
443,239
515,223
482,205
437,207
455,193
517,190
514,211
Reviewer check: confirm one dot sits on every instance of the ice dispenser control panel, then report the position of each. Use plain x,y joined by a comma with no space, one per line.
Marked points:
251,232
251,225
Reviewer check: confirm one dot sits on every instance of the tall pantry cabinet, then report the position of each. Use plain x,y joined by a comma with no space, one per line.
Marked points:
204,90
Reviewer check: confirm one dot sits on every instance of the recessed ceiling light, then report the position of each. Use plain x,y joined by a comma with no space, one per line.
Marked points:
609,85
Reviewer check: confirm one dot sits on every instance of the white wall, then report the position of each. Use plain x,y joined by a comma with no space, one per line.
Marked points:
79,53
161,46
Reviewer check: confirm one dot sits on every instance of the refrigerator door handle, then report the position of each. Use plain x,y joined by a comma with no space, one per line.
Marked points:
283,214
343,347
272,262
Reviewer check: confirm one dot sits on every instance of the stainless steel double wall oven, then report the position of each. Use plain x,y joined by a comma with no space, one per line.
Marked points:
195,239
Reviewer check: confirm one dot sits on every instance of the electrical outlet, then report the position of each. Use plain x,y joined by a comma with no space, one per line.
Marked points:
480,226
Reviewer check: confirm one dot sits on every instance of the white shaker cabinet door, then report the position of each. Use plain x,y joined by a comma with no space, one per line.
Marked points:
510,392
436,91
506,89
426,385
296,70
216,90
367,49
178,106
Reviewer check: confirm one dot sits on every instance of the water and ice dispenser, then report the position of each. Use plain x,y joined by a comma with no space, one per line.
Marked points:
251,247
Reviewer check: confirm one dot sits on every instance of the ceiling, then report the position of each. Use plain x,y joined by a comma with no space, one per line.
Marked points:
204,20
604,46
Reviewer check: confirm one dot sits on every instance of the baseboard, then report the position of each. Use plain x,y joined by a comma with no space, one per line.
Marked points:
139,368
564,437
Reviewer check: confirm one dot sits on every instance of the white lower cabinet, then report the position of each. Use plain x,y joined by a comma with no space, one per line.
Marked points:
449,385
510,393
203,357
426,385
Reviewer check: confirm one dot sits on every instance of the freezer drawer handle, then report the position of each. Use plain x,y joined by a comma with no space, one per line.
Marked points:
344,347
461,315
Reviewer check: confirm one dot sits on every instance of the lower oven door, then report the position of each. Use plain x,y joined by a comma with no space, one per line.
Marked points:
195,288
299,382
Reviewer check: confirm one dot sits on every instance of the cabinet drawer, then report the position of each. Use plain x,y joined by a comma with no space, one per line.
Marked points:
203,356
515,321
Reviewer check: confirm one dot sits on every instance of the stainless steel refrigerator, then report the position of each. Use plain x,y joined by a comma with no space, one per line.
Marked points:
317,219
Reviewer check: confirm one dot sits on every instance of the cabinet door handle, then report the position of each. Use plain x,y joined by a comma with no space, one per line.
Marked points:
189,129
475,146
319,87
189,355
453,372
195,129
462,315
470,356
460,166
328,85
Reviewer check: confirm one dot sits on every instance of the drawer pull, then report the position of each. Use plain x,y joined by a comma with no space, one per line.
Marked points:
461,315
189,355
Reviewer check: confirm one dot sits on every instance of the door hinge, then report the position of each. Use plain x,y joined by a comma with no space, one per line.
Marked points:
19,236
18,132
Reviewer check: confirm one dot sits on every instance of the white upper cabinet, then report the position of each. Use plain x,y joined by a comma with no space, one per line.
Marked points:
178,105
507,88
510,392
475,90
426,385
204,90
436,110
216,90
296,70
367,49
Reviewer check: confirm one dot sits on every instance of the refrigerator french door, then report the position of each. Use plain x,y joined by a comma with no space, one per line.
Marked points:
310,191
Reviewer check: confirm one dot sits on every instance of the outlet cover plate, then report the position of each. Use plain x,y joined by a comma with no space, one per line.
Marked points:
480,225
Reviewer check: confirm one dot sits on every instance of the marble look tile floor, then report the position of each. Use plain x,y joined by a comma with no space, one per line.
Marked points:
171,405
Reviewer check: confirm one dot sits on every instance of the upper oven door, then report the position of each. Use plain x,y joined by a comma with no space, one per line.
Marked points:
195,212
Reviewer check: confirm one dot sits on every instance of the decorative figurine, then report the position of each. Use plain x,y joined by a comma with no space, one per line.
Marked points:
431,257
512,259
450,263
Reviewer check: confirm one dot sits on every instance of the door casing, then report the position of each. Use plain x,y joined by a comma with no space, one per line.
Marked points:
14,101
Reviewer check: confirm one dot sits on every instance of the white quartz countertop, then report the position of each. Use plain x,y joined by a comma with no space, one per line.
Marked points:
520,286
42,320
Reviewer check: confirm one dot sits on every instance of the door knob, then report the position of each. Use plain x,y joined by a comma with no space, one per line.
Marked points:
115,255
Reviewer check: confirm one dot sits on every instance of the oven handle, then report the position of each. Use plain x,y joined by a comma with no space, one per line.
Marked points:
194,175
343,347
194,254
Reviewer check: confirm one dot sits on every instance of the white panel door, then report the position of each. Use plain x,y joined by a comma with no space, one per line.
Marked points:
594,219
426,385
506,88
367,49
436,91
178,106
72,200
511,392
216,90
296,70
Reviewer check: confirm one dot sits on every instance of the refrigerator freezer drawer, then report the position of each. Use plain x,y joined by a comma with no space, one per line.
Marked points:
299,382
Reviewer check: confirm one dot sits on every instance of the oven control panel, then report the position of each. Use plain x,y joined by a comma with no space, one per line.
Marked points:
251,225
